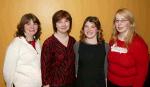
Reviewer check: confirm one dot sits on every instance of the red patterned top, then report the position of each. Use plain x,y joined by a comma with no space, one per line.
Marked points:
58,62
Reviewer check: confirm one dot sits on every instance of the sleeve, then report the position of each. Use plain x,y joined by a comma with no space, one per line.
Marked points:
10,62
106,64
141,60
76,48
45,54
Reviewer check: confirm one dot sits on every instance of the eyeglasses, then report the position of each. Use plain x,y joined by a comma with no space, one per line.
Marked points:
122,21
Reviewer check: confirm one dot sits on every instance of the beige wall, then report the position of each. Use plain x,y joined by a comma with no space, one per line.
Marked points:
12,10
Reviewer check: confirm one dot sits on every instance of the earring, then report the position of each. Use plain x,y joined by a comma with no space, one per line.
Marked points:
33,37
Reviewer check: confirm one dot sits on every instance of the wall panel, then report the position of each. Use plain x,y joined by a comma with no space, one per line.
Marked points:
12,10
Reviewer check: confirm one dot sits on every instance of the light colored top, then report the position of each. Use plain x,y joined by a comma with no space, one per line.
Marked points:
22,64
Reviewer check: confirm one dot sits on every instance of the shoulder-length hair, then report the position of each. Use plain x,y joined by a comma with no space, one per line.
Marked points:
26,18
129,16
97,23
60,15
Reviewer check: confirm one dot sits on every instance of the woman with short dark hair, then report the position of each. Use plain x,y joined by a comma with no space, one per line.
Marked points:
58,58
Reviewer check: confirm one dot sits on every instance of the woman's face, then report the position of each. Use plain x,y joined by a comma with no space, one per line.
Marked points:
90,30
122,24
30,28
63,25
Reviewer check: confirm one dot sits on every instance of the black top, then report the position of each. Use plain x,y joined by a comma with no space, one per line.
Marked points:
91,65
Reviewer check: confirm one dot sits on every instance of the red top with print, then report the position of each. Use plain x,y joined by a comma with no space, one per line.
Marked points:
128,67
58,62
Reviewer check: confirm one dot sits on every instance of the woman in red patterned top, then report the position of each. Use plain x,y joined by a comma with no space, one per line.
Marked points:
128,56
58,57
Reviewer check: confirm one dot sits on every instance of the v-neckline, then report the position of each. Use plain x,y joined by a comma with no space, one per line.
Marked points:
62,43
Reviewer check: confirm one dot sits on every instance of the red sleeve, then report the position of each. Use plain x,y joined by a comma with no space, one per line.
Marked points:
45,57
141,61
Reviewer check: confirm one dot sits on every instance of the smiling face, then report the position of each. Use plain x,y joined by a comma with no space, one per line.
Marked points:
90,30
30,29
122,24
63,25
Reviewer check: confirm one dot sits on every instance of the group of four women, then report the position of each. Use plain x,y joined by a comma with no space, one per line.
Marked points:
64,62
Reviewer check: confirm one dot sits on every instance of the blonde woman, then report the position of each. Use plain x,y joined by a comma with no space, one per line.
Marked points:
128,56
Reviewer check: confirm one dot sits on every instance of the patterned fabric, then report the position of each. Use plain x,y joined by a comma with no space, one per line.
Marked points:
58,62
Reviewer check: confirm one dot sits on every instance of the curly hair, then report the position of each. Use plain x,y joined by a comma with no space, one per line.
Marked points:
97,23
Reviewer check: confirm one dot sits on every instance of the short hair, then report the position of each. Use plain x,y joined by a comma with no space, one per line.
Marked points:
58,16
26,18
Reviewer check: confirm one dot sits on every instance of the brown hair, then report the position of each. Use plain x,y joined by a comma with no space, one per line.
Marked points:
24,20
97,23
58,16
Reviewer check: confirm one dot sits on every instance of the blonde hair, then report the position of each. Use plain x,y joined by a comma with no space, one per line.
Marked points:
129,16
